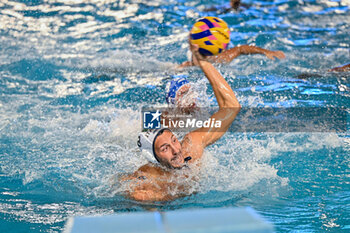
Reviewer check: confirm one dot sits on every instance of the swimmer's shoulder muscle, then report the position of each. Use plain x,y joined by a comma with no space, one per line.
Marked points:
192,146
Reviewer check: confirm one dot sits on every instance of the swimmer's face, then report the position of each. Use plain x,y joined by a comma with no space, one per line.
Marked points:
169,150
186,98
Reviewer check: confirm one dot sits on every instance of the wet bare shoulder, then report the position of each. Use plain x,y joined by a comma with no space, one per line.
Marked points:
192,146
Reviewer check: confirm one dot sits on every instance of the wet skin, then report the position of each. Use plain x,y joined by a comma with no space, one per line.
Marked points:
169,150
154,180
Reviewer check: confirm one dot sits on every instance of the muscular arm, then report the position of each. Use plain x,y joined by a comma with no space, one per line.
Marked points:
229,106
230,54
222,90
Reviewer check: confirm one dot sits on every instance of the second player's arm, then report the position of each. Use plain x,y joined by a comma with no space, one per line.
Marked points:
230,54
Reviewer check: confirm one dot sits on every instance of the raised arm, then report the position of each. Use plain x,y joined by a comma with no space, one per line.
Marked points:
229,106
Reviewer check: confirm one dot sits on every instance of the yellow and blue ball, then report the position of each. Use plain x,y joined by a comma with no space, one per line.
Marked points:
211,34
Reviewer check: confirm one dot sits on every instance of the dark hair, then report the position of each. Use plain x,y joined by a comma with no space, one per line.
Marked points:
154,142
235,4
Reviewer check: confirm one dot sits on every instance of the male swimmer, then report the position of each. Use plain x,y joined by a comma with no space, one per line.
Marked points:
151,182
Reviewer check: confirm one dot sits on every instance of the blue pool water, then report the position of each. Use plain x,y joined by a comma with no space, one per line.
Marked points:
74,75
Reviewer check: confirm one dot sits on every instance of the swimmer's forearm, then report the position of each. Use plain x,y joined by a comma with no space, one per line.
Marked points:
250,49
228,103
222,90
226,56
230,54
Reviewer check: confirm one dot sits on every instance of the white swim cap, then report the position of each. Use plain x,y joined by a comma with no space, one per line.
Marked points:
146,141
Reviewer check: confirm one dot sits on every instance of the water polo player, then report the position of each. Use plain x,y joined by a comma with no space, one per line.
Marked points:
186,97
213,36
153,180
179,94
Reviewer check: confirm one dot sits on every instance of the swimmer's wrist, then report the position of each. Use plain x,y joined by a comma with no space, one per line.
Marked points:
204,62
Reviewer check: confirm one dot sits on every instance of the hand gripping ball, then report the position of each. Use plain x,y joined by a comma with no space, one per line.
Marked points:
211,34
